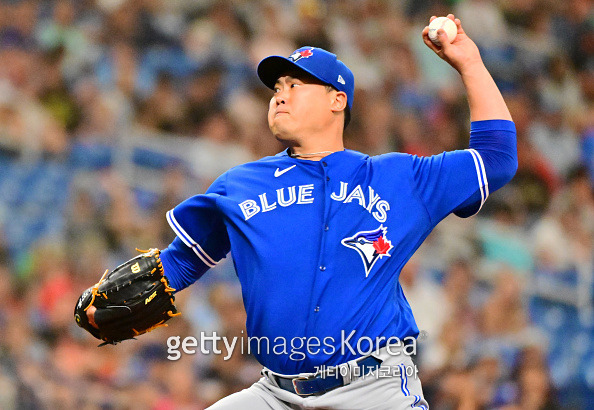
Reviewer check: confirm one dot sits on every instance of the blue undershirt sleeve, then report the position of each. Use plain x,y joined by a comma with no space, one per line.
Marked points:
495,141
181,265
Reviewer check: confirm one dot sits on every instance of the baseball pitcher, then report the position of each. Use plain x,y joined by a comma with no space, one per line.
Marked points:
318,235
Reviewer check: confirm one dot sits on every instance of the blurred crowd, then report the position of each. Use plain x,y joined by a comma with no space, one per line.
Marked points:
84,84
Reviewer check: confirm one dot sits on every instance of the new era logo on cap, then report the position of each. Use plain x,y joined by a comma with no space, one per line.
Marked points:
315,61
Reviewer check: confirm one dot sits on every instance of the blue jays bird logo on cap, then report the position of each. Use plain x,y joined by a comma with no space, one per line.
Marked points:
298,55
371,246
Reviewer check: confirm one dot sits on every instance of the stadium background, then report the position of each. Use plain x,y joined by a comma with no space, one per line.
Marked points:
113,111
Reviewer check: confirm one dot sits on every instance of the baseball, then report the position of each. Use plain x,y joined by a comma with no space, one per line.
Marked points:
448,25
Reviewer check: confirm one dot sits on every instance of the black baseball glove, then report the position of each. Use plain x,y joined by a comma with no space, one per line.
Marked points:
132,299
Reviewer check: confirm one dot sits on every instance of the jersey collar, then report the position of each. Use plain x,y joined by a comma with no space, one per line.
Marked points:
346,154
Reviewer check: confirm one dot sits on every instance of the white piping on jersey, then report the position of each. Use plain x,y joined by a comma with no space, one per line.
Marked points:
481,175
187,239
485,181
478,174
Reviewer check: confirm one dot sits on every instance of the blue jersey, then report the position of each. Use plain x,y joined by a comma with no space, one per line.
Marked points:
318,246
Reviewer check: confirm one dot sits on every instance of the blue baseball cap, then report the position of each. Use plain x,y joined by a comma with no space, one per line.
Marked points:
318,62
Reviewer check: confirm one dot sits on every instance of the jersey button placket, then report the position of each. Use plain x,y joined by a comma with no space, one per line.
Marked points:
322,267
325,164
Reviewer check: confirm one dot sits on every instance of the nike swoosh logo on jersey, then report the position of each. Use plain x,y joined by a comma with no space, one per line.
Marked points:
278,172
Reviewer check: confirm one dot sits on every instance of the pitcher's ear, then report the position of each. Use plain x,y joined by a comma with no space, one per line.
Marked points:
340,101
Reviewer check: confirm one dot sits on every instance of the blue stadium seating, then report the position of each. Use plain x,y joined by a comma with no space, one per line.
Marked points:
35,196
571,348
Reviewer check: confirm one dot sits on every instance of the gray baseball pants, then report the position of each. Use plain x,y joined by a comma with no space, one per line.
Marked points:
395,385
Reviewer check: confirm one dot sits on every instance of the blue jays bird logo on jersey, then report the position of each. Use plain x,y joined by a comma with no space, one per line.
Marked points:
298,55
371,246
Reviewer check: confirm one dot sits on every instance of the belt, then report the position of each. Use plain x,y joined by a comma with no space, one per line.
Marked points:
332,378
